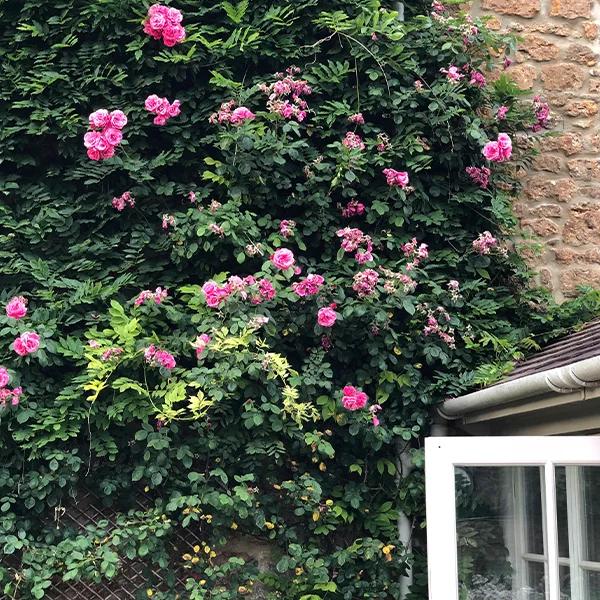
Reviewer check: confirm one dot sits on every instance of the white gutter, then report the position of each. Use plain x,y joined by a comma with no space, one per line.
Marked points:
562,380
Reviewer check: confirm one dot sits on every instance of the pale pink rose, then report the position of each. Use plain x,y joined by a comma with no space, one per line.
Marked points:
93,153
118,119
174,16
152,103
90,139
174,109
4,377
326,317
16,308
26,343
353,399
283,259
101,143
241,114
157,21
99,118
158,9
113,136
492,151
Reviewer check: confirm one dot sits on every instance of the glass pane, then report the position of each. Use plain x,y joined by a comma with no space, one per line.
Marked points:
590,483
561,509
565,583
501,549
592,585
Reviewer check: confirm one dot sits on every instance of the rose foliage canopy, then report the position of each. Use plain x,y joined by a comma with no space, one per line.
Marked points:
235,293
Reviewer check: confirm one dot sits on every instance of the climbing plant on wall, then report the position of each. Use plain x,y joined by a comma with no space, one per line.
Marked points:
237,288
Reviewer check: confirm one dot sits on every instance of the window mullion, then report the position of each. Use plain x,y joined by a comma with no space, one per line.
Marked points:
574,517
551,532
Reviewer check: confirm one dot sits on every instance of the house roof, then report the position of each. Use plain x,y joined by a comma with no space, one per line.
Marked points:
584,343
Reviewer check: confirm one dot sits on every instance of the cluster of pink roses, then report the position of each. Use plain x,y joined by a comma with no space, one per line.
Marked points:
26,343
162,108
285,95
393,278
352,209
110,353
396,178
326,316
106,133
258,290
416,252
168,221
480,176
157,357
200,344
542,114
485,243
309,286
353,141
364,282
283,259
477,79
502,112
8,396
286,228
500,150
354,239
353,399
156,296
125,199
434,327
164,22
357,119
227,113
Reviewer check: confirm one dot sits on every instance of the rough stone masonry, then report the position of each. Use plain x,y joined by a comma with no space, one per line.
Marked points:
558,58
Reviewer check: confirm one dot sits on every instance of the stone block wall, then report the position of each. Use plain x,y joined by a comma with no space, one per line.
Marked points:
558,58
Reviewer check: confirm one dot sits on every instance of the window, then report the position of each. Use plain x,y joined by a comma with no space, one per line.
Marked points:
513,518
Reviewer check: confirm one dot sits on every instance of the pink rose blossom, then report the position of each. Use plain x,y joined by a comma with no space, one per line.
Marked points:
500,150
326,317
283,259
200,344
353,208
99,118
241,115
4,377
16,308
374,409
152,103
26,343
118,120
357,119
365,282
485,243
452,73
113,136
157,357
396,178
164,22
353,399
309,286
501,113
478,79
162,108
352,141
479,175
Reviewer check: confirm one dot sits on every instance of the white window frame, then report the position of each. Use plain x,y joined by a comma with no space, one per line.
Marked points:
443,454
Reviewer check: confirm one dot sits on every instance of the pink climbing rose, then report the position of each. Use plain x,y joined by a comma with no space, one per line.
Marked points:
500,150
240,115
26,343
16,308
283,259
164,22
326,316
396,178
4,377
353,399
200,343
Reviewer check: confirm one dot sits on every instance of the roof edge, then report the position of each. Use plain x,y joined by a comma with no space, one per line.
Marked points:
561,380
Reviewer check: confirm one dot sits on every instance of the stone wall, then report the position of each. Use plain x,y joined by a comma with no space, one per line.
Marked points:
558,58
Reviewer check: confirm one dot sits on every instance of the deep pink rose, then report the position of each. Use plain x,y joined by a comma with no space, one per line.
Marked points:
118,119
151,31
396,178
152,103
158,9
16,307
108,153
353,399
326,317
160,120
26,343
241,114
93,153
112,136
283,259
4,377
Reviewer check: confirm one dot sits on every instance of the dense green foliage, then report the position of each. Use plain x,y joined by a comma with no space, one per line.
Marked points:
254,440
